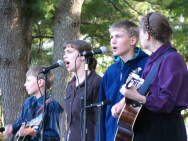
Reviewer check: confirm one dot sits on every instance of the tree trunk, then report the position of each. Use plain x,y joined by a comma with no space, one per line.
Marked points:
67,27
15,43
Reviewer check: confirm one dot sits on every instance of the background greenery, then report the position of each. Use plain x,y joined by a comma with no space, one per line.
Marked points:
96,17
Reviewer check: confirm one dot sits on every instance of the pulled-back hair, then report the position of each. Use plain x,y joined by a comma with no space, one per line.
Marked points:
129,27
34,71
82,46
158,26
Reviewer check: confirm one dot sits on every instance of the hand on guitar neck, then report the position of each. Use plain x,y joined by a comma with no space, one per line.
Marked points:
132,93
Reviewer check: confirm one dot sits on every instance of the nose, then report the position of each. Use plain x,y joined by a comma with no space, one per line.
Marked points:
113,41
25,84
65,55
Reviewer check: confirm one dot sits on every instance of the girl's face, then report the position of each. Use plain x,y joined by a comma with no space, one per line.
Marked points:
144,39
70,57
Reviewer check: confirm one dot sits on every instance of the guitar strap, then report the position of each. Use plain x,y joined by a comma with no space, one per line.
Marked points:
41,108
145,86
152,73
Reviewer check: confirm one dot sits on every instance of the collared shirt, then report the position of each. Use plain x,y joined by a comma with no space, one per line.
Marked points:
166,93
53,117
73,104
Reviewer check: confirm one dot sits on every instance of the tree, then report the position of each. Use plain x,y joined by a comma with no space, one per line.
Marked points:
67,27
15,43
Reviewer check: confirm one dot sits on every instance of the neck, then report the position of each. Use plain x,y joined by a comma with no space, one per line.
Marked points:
128,56
155,45
38,95
80,77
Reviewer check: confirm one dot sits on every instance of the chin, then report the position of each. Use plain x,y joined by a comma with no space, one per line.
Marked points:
115,54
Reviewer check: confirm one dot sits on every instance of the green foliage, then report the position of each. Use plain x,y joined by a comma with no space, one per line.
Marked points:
42,15
96,18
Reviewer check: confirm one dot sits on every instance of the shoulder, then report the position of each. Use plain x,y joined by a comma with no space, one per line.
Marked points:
173,57
54,103
29,99
113,66
94,78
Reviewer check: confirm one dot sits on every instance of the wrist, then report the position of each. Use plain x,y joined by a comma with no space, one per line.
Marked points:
143,101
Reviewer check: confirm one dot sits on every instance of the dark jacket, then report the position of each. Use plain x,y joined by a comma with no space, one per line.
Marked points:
111,83
73,104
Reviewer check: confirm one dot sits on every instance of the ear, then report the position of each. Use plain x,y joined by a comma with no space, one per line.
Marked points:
82,58
133,40
147,36
41,82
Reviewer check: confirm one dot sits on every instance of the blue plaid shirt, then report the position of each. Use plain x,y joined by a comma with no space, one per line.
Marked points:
53,117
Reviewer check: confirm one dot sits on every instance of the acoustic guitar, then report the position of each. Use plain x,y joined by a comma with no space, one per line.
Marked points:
33,123
130,110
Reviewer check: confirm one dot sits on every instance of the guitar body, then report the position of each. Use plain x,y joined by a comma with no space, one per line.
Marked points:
33,123
126,121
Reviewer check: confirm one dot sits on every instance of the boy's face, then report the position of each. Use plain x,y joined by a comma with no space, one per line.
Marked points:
120,42
31,85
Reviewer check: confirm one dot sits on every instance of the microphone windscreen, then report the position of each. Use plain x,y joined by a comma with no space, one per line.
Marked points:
2,129
107,102
104,49
60,62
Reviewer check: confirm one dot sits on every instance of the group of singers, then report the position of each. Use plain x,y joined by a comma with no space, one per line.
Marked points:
160,118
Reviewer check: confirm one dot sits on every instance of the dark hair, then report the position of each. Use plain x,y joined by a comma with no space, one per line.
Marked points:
82,46
129,27
35,71
158,26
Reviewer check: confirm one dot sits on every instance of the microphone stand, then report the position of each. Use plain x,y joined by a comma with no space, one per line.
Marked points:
44,107
85,98
99,123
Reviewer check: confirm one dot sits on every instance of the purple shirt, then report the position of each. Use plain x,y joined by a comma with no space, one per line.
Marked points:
165,92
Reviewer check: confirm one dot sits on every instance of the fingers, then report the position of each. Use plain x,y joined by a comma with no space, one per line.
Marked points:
115,112
115,115
8,131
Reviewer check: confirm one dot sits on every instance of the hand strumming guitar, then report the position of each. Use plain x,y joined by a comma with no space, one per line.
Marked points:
117,108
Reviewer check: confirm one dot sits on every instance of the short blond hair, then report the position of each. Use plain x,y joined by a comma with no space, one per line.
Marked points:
129,27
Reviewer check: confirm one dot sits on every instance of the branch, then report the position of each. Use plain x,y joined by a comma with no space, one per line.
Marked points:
115,6
51,37
132,7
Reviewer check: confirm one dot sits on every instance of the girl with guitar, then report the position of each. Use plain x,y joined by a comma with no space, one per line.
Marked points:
160,116
32,109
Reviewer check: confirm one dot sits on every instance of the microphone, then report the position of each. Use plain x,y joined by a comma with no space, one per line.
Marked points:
103,103
101,50
2,129
47,69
